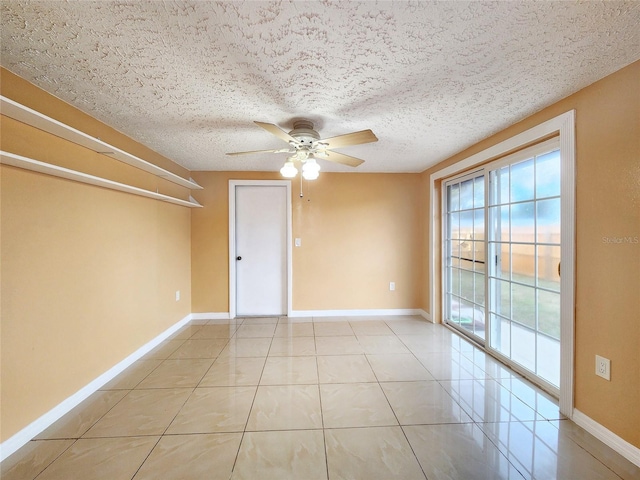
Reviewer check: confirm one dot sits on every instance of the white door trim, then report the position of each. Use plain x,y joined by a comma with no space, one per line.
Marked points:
232,238
564,125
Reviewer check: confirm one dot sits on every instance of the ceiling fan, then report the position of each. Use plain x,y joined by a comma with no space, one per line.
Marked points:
305,146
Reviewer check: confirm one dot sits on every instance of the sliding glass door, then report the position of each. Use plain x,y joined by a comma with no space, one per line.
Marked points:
502,259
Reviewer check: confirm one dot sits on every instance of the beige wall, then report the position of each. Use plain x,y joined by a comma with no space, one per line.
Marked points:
88,275
358,231
607,274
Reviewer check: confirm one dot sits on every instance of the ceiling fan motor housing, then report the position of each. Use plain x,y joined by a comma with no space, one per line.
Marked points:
304,133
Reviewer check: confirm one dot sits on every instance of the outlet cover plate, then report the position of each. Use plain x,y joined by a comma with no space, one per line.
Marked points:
603,367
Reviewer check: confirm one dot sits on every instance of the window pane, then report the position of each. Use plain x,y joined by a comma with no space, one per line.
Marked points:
503,267
455,281
478,192
548,175
501,335
523,259
478,256
466,224
454,225
466,262
523,222
549,313
478,225
454,304
548,221
466,285
455,248
501,186
466,315
548,261
523,305
454,197
478,321
479,289
466,195
505,217
501,298
499,223
523,343
548,359
522,181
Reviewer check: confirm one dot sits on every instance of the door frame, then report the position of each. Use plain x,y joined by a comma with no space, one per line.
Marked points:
232,239
564,126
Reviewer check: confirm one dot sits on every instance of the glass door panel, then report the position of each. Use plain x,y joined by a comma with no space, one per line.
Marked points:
465,266
524,248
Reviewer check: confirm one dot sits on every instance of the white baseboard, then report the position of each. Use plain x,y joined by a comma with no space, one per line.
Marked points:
210,316
426,315
13,443
357,313
624,448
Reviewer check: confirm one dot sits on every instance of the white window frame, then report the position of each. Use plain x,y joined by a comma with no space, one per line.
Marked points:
564,126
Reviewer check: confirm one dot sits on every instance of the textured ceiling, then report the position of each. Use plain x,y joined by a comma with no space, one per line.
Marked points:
187,78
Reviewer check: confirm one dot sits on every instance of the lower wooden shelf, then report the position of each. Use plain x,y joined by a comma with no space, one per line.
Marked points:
26,163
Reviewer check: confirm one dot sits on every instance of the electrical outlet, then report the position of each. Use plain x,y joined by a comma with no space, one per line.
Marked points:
392,286
603,367
177,295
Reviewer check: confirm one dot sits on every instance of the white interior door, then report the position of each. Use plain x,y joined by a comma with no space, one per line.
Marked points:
261,250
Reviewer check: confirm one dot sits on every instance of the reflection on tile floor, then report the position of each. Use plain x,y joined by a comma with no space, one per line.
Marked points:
326,398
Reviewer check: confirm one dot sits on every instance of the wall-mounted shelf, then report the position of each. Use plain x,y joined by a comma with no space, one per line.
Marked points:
19,161
36,119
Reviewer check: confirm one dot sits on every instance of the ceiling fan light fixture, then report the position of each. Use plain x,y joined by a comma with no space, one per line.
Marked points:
288,170
310,174
310,169
310,165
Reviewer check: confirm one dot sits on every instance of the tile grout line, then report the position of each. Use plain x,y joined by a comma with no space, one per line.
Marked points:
324,434
56,458
396,415
163,434
244,430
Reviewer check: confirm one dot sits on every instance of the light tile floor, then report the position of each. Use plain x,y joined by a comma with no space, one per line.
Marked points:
268,398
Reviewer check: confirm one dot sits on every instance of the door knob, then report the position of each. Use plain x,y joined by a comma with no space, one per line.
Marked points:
238,258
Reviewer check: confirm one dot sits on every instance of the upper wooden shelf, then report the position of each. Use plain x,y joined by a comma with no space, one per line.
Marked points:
36,119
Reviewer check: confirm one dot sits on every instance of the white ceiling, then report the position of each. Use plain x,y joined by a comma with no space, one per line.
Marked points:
187,78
